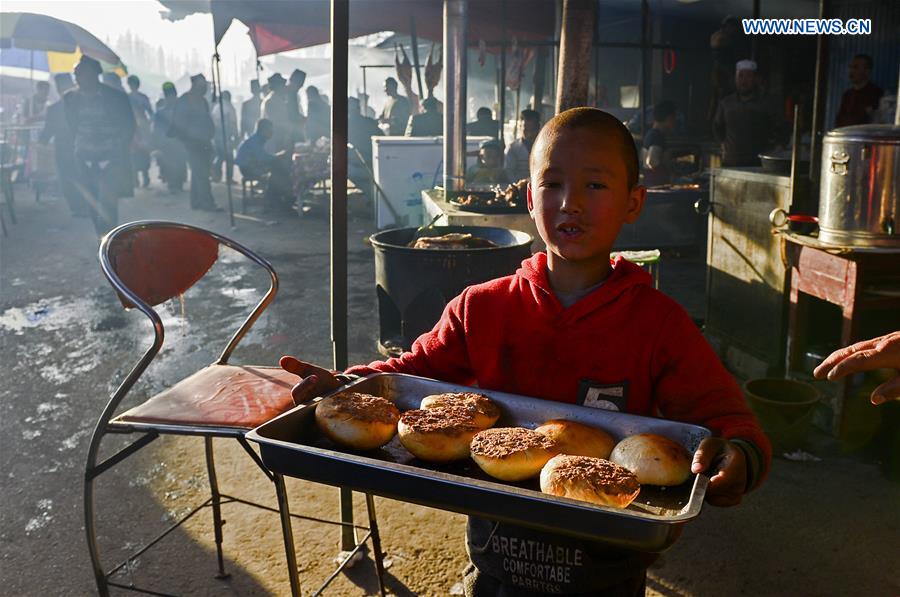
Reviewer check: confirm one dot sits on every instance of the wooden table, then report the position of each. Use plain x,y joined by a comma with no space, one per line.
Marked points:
859,280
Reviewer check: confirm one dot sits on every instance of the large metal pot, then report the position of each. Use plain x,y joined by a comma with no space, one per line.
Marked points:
414,285
858,202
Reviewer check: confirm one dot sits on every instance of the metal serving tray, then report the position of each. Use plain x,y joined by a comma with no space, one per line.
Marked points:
292,445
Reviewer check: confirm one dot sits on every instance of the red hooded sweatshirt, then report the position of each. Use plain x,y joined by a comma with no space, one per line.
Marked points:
632,344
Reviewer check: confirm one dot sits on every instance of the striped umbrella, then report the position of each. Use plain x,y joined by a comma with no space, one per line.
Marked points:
43,43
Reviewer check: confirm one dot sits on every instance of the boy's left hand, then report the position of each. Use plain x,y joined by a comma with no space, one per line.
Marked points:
726,466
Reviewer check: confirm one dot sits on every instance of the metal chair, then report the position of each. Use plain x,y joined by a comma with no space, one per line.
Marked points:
252,186
148,263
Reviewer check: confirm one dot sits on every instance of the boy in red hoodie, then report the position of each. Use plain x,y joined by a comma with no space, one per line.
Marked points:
571,326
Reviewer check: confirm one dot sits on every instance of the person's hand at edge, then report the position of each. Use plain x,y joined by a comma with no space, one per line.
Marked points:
878,353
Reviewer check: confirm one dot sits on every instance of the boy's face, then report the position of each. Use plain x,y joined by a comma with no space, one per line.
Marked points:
579,195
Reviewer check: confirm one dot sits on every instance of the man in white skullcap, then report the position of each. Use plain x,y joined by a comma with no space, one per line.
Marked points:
747,122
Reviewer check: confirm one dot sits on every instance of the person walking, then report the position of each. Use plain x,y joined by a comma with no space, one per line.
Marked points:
102,125
192,124
56,129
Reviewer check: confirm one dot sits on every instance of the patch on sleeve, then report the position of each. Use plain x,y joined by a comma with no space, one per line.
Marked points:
608,396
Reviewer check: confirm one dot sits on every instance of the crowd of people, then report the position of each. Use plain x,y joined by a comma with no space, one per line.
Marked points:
105,137
104,151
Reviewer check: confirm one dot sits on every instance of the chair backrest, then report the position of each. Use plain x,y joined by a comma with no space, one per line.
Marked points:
150,262
160,263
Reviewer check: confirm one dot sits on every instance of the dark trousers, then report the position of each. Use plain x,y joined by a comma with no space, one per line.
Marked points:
97,184
67,177
199,158
172,161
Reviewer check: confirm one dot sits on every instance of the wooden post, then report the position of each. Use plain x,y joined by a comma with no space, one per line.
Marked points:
575,54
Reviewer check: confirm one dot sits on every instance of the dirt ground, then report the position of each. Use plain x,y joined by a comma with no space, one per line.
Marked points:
830,527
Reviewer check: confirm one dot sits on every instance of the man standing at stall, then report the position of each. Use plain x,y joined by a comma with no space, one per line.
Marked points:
656,159
861,100
318,116
170,153
225,143
251,110
275,108
193,126
429,123
484,124
395,115
747,122
519,151
102,126
295,117
143,114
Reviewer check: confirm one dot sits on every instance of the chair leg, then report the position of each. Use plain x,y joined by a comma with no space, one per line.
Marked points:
376,542
218,522
243,195
287,532
90,527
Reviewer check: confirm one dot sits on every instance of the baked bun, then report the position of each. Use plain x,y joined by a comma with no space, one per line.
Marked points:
656,460
590,480
358,421
577,439
512,453
484,412
437,434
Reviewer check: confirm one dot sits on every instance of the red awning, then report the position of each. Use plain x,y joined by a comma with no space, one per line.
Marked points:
277,26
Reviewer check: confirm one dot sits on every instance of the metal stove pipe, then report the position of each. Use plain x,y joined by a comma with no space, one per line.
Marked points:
455,22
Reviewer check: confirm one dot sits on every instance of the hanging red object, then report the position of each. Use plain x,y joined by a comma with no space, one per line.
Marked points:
669,60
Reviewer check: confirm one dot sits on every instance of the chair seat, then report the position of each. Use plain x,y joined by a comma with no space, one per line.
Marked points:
241,397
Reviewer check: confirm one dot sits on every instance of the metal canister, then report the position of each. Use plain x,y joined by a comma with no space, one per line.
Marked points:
858,202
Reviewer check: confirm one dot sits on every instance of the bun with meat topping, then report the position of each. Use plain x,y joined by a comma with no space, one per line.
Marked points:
482,409
437,434
357,421
512,453
589,479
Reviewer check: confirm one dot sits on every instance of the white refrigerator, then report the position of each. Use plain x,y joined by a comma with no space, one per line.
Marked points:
404,167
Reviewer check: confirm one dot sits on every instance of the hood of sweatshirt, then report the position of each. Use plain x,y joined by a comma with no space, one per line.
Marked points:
625,276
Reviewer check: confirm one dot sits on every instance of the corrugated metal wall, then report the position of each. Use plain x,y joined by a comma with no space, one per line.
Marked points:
883,45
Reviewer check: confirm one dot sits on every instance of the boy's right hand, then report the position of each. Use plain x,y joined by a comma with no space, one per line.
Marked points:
315,381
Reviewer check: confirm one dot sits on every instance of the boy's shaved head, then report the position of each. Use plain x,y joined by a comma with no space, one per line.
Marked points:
607,128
